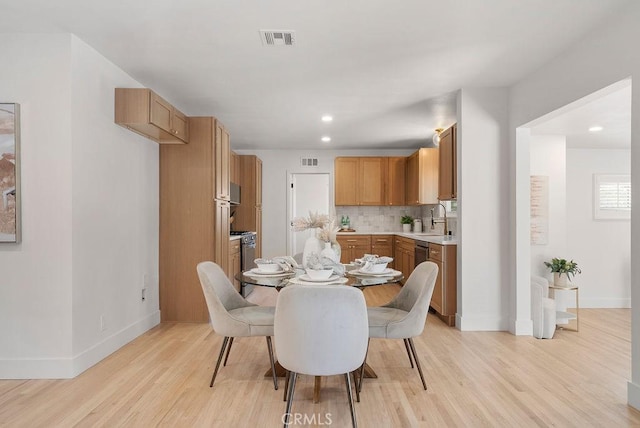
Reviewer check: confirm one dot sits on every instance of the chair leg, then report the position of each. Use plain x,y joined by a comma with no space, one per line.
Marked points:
406,346
415,357
350,396
286,385
226,357
292,381
215,372
359,385
273,366
355,384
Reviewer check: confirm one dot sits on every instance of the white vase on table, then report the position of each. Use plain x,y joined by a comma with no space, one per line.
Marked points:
332,251
311,246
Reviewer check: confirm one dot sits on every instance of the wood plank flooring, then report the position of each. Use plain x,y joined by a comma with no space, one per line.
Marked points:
475,379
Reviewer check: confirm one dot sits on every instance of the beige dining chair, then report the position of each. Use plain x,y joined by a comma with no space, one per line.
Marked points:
320,330
404,317
231,315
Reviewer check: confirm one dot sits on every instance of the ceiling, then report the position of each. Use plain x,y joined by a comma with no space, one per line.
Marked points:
387,72
611,112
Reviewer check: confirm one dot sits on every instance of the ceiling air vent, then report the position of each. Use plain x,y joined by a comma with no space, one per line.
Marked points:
278,37
309,161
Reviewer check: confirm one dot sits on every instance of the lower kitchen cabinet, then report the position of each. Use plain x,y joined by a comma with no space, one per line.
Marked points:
444,299
404,255
235,265
382,245
354,247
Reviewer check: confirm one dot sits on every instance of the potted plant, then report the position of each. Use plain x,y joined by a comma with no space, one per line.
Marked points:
406,222
560,267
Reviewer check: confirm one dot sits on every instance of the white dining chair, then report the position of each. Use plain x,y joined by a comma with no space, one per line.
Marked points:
231,315
320,330
404,317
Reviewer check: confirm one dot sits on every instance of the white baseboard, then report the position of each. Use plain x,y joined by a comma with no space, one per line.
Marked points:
65,368
521,327
480,323
633,395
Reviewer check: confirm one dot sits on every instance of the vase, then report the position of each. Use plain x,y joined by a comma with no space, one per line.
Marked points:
332,251
311,246
406,228
559,279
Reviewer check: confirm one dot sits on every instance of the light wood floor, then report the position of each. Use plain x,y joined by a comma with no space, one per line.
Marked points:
475,379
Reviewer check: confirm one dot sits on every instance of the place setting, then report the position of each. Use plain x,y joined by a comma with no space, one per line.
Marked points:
273,268
372,265
320,270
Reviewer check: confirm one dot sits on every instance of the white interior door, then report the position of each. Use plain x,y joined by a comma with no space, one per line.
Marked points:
308,192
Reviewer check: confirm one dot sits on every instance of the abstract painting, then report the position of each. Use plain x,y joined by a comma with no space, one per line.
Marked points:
10,172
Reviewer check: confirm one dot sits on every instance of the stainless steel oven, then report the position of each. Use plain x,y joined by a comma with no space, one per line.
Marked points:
247,255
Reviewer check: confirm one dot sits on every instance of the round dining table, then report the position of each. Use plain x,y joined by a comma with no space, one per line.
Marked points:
281,280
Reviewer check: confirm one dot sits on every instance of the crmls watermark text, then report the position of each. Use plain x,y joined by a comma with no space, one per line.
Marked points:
305,419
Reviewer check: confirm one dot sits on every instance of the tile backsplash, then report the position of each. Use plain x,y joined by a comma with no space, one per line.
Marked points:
369,219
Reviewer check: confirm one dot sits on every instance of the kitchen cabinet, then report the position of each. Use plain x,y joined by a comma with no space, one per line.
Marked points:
235,265
371,181
194,226
395,182
353,247
444,298
222,160
248,214
143,111
447,171
404,256
382,245
234,168
422,177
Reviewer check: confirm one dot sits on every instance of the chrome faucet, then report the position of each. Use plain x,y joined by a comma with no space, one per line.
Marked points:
445,221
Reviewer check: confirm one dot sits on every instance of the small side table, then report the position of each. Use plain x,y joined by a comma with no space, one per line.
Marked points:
568,315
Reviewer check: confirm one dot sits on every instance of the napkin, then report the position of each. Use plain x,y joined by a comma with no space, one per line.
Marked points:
286,263
369,260
316,261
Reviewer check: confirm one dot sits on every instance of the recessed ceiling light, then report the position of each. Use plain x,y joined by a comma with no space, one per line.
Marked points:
596,129
327,118
326,139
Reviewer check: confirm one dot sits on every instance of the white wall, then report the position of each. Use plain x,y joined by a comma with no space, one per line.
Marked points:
483,215
90,209
602,247
276,167
569,77
548,158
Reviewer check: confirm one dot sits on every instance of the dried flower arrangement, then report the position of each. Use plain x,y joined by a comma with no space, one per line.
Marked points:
325,225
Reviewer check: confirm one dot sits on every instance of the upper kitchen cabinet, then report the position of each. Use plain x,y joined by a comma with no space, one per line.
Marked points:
422,177
363,181
396,173
234,168
145,112
448,182
223,159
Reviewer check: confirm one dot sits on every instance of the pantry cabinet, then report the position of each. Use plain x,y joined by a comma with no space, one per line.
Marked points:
143,111
248,215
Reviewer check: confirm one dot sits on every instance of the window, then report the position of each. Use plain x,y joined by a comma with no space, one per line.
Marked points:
612,197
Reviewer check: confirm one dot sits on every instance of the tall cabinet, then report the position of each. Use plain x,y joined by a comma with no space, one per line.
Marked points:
248,215
448,171
194,217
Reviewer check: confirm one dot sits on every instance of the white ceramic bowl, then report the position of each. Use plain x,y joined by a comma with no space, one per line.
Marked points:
318,274
378,267
268,267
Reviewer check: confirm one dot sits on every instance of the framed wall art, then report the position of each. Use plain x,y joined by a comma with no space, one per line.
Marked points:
10,172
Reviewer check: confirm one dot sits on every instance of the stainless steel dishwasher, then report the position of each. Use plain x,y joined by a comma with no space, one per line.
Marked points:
421,252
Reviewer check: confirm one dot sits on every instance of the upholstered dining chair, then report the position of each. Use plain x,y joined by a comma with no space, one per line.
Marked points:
320,330
404,317
231,315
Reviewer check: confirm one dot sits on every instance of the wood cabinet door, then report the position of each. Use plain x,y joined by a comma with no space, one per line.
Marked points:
437,297
180,125
234,262
258,181
395,182
258,232
160,112
412,189
222,159
221,242
346,181
371,181
446,166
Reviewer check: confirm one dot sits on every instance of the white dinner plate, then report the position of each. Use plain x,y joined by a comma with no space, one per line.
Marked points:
259,272
338,280
307,278
386,272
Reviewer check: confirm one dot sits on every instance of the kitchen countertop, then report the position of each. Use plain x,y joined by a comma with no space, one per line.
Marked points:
434,239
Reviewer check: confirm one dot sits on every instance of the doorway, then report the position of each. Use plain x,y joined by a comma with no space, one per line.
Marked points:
307,192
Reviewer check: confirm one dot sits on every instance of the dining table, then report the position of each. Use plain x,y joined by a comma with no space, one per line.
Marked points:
352,278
